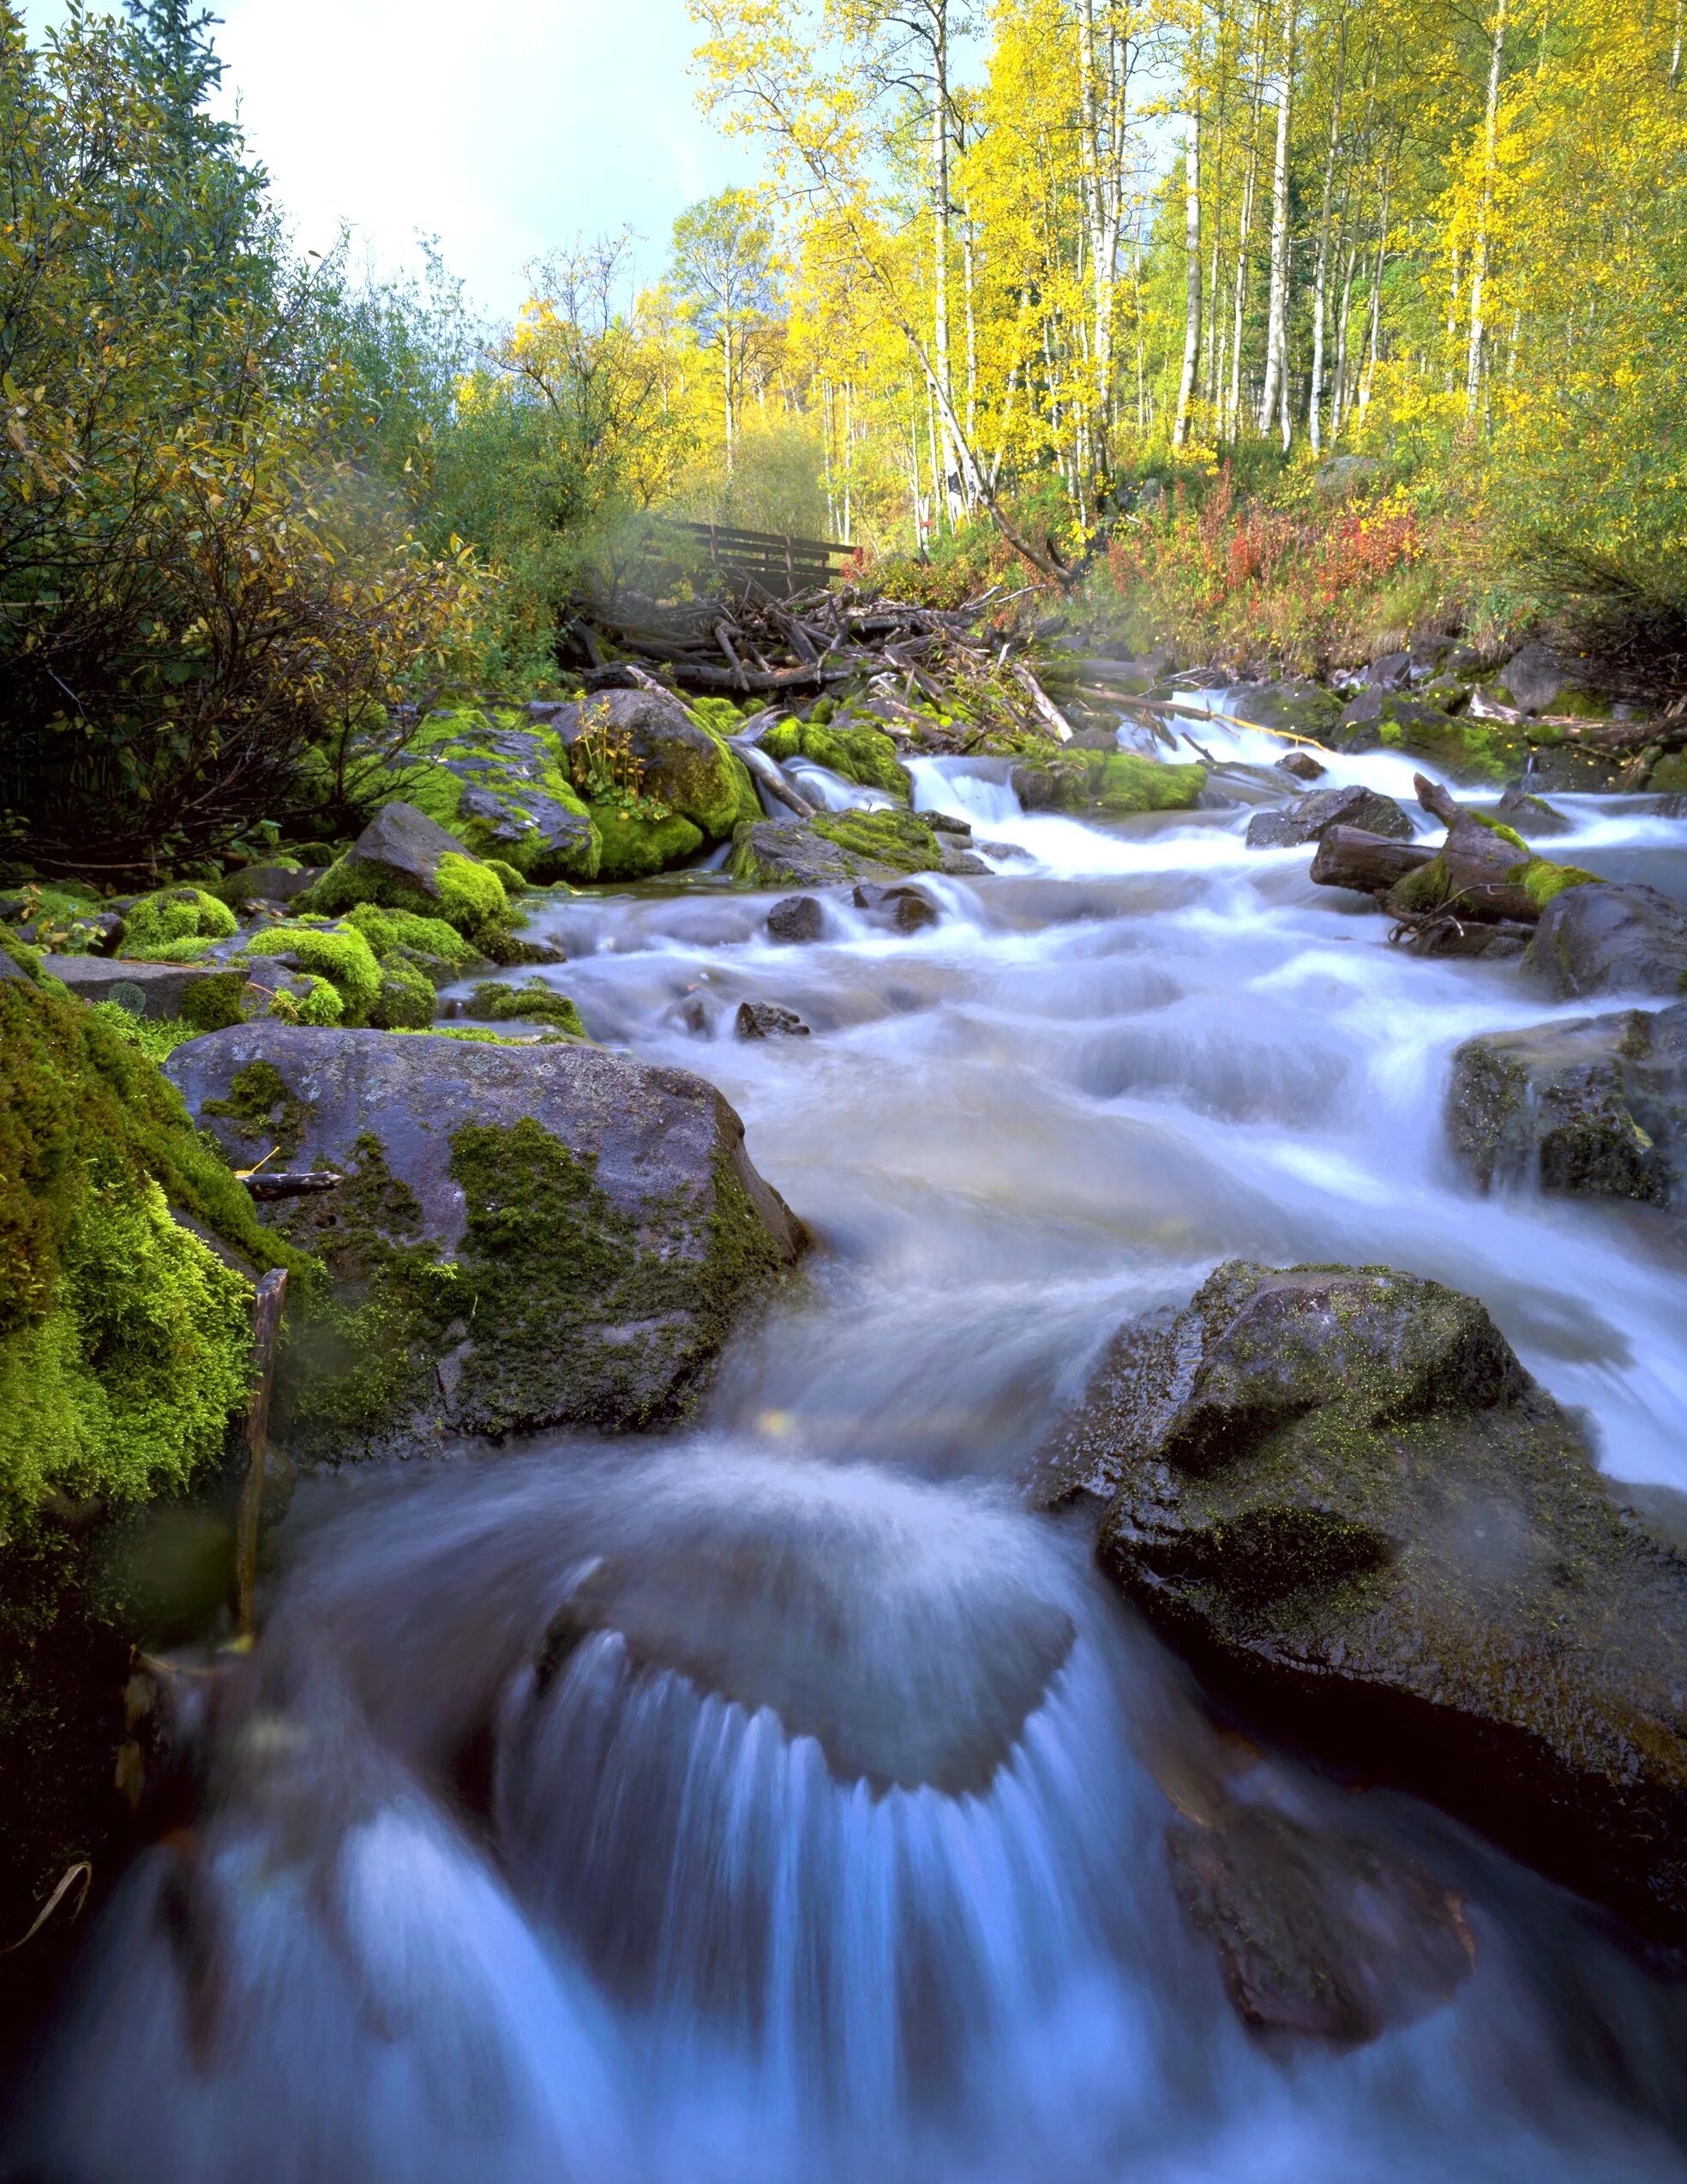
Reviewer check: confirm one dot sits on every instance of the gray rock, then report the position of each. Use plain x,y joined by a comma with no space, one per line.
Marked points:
1340,1493
946,823
961,864
1597,1107
904,910
164,989
681,763
557,838
1389,672
265,883
788,852
1531,816
1362,720
1605,939
1300,708
1533,678
595,1224
767,1020
11,969
1308,819
403,846
1303,766
796,918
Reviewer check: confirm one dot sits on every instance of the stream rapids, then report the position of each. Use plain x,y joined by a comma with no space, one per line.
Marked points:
785,1803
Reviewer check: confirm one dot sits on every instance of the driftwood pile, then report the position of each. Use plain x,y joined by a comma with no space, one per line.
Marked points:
977,659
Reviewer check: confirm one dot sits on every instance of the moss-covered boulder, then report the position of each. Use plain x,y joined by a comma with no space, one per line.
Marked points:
1116,784
499,782
860,754
526,1235
645,742
124,1347
639,839
404,860
1607,938
152,923
833,847
1597,1107
1294,708
531,1002
1336,1489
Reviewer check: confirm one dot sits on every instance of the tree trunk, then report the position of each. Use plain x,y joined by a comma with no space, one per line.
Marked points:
1192,303
941,234
1321,271
1478,268
1277,324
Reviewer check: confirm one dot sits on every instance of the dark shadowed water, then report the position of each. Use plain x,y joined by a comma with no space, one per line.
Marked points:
784,1803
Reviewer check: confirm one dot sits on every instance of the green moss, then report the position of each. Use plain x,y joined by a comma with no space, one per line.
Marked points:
55,918
521,763
895,838
1419,891
866,756
405,1001
264,1113
173,914
343,957
1498,826
635,848
478,1034
515,882
1541,880
156,1037
210,1003
387,929
534,1002
468,896
1126,782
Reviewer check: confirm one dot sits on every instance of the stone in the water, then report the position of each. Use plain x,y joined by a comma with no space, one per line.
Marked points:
796,918
1390,671
1320,1936
904,910
1531,815
1597,1107
767,1020
1303,765
1607,938
947,823
1337,1490
576,1231
1309,817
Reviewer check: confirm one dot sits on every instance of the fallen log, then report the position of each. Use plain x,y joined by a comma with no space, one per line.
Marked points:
1368,864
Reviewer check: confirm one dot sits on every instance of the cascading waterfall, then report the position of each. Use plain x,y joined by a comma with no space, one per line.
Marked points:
785,1802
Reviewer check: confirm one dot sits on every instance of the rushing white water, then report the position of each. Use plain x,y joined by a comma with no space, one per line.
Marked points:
784,1803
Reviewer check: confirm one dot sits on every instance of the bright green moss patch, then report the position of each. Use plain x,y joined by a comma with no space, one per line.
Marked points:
498,781
1126,781
638,847
896,838
344,959
534,1002
1498,826
470,896
156,1037
865,755
1541,880
386,929
173,914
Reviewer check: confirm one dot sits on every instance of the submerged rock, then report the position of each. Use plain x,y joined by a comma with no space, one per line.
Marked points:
525,1236
1607,938
1319,1935
767,1020
1597,1107
904,910
1308,819
796,918
835,846
1531,815
1340,1493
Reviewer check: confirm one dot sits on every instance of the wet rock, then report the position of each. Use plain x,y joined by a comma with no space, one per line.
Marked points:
946,823
1531,816
1300,708
1569,769
1501,939
208,995
504,787
796,918
961,864
594,1223
904,910
403,846
1303,765
1340,1493
1363,717
767,1020
788,852
1596,1107
1308,819
1320,1936
1607,938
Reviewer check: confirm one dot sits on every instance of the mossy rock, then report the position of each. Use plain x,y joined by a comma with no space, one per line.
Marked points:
864,755
342,956
636,846
1668,775
1295,708
534,1002
1118,784
499,781
402,861
527,1236
892,841
1337,1490
124,1349
171,915
682,764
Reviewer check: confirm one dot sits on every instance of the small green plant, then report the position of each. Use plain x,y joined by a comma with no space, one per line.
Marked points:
606,769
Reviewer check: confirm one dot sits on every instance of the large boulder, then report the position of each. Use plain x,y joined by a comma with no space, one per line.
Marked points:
1308,819
1597,1107
678,762
835,846
1337,1490
1533,678
1114,783
1607,938
525,1236
1296,708
501,784
1473,750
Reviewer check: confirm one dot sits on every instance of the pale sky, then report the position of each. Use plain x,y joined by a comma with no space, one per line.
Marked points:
505,128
